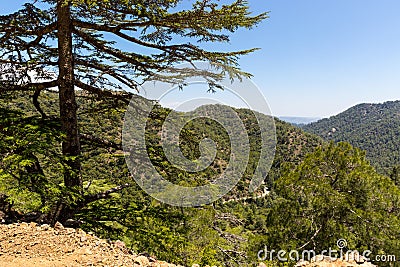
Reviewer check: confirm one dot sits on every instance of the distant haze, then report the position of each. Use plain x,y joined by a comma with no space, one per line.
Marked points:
299,120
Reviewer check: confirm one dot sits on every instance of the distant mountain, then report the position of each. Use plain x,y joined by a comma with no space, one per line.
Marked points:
299,120
371,127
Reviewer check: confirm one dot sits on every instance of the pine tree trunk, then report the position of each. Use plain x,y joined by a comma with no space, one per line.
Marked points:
68,107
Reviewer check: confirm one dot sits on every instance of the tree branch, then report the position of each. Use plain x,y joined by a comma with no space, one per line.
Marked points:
126,57
117,31
15,29
100,92
183,51
36,102
100,141
107,70
103,195
28,86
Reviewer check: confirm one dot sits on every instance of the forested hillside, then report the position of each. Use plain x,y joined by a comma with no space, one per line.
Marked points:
374,128
312,201
68,70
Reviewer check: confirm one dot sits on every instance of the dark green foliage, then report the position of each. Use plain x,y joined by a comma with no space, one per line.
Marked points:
68,44
31,162
374,128
395,175
131,214
333,194
316,189
313,199
165,32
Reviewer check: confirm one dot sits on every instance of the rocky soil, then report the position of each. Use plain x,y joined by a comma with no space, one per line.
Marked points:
323,261
26,245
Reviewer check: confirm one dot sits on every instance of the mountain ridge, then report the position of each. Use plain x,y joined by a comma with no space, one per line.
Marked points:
374,128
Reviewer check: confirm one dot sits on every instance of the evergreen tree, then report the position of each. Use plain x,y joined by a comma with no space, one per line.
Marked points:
334,194
77,44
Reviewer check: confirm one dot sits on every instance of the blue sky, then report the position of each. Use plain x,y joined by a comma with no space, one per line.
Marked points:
319,57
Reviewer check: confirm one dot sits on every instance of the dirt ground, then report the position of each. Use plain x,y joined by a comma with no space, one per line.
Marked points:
32,245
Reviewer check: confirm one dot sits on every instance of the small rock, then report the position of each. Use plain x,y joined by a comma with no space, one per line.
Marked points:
142,260
302,263
119,244
58,226
162,264
45,227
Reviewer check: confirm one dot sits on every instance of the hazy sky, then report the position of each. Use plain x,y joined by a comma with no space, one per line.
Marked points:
319,57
